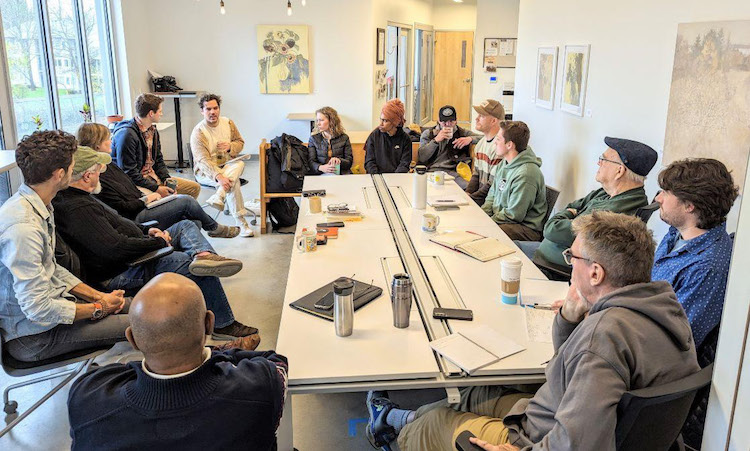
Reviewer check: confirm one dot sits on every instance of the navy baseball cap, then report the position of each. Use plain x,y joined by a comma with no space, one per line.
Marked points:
636,156
447,113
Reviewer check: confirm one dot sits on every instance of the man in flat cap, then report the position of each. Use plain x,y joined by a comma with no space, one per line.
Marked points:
442,147
623,168
490,114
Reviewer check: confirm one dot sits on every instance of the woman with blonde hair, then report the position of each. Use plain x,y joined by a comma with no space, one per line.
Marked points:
329,150
119,192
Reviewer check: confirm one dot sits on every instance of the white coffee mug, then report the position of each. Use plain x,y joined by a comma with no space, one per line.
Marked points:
430,222
510,279
308,241
437,177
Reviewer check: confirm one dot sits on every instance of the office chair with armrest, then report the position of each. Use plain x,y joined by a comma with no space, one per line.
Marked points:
552,195
644,213
651,418
692,430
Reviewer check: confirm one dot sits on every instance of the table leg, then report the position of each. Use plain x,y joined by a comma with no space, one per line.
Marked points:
181,164
285,434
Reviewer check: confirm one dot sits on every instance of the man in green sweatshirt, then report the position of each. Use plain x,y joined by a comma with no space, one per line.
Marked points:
616,331
623,168
517,200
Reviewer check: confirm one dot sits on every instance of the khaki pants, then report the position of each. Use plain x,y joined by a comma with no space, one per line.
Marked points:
233,198
480,411
521,232
189,187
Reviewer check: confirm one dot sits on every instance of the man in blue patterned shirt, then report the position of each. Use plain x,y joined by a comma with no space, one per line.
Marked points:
694,256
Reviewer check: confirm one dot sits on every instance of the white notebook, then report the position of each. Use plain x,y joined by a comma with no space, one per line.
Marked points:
472,244
475,348
447,200
163,200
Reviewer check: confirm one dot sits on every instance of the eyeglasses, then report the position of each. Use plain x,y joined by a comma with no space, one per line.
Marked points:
568,256
609,161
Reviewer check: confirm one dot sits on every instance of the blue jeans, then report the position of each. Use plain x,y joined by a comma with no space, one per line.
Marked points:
528,247
174,211
187,241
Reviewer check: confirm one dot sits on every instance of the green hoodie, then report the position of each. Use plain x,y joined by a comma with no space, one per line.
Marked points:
558,233
518,194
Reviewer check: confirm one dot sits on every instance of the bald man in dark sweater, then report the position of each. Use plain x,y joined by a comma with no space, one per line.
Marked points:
183,395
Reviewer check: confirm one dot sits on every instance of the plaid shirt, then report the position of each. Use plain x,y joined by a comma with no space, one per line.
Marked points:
148,166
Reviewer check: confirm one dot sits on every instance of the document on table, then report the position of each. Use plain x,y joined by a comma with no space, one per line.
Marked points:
539,324
475,348
472,244
447,200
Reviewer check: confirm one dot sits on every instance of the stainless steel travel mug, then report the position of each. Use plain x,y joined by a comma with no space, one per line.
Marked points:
401,300
343,306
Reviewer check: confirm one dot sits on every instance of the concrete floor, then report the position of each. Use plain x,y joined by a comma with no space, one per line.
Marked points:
321,422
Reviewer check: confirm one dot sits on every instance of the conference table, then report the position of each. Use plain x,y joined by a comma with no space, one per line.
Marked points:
389,240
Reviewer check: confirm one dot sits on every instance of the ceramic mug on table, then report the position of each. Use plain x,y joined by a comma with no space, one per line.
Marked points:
308,241
437,177
430,222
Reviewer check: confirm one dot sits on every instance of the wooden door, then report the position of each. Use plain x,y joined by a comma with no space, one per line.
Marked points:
454,52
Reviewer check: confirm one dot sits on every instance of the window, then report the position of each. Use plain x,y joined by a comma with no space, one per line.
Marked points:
64,44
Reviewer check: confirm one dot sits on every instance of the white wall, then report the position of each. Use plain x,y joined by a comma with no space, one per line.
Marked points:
632,51
494,19
207,51
454,16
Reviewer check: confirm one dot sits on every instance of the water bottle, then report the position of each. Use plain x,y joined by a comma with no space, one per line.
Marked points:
401,300
343,306
419,191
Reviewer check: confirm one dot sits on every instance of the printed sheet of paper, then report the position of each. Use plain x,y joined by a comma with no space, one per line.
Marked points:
539,324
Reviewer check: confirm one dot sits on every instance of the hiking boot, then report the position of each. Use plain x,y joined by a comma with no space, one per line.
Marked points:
216,201
248,343
223,231
379,433
214,265
232,331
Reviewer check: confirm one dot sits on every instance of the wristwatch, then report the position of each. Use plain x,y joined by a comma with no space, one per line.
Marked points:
98,311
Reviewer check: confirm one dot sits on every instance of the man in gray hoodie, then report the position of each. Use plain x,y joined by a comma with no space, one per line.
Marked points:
616,332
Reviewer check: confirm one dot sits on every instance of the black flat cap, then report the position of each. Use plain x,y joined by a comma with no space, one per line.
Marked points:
636,156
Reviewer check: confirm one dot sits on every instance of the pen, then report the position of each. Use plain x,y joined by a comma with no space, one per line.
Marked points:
542,306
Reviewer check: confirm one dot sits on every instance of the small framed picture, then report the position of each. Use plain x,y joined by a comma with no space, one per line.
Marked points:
380,52
546,76
576,67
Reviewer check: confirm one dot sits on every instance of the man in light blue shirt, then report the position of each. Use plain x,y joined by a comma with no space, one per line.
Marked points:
46,311
694,256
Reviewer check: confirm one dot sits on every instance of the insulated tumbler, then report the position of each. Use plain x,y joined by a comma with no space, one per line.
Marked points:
401,300
343,306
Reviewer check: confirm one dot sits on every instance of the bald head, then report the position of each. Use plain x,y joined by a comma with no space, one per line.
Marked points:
168,315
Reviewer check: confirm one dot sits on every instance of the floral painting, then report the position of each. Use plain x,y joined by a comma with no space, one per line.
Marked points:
283,59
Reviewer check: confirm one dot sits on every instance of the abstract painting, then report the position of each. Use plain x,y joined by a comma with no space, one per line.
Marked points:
546,73
574,78
709,100
283,59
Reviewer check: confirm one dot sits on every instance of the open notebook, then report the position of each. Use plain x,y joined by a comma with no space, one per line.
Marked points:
475,348
472,244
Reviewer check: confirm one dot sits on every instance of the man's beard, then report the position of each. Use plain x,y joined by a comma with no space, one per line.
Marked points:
98,188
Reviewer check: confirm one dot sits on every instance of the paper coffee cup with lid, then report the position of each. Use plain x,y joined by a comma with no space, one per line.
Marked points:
510,279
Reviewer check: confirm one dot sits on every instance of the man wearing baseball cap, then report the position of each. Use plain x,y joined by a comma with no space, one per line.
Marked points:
442,147
486,161
623,168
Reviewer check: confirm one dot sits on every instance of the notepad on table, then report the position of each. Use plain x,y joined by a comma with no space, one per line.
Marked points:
472,244
475,348
161,201
447,201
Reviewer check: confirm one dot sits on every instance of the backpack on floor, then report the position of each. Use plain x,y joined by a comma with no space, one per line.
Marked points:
283,211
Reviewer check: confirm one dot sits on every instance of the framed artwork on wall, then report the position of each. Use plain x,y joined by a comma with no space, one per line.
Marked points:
283,59
380,51
546,75
575,69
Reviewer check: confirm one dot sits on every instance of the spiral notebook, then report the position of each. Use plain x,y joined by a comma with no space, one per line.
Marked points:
363,294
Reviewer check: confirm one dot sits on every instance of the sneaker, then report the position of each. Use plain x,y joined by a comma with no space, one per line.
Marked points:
248,343
245,230
216,202
223,231
232,331
378,432
253,206
214,265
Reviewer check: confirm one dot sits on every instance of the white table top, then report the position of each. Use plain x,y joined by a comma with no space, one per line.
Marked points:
377,350
7,160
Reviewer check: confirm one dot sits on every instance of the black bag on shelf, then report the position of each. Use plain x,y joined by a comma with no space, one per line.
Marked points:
166,83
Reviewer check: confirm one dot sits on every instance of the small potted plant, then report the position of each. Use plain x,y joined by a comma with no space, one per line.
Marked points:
38,121
86,112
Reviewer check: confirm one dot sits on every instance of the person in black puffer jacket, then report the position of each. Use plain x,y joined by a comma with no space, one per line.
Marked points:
329,151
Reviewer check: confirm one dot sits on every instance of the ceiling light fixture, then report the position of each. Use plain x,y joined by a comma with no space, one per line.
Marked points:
289,7
221,7
304,2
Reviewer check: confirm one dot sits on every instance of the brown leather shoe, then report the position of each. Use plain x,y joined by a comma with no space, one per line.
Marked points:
214,265
248,343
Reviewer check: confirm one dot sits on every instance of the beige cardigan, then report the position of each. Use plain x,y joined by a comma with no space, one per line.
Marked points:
204,159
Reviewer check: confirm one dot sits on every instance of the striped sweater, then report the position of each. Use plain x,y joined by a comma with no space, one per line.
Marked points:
485,167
